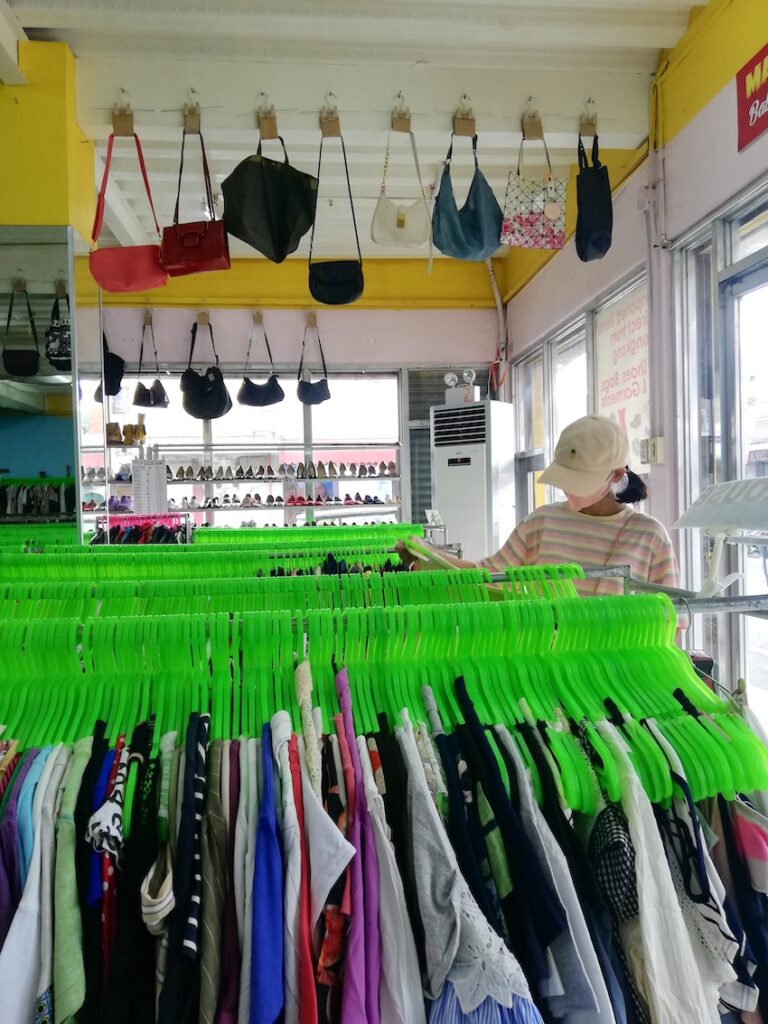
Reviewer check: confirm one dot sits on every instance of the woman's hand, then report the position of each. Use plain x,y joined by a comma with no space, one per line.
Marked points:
406,556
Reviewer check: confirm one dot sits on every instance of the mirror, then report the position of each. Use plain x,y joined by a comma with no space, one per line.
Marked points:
38,462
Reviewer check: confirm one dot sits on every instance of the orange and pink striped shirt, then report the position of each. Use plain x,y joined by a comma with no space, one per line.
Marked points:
554,535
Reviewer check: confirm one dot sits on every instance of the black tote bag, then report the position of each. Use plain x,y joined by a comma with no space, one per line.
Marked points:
594,223
269,205
337,282
205,395
260,395
21,362
58,337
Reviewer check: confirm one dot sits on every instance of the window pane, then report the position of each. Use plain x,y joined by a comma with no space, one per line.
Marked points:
750,233
362,410
532,403
571,383
268,427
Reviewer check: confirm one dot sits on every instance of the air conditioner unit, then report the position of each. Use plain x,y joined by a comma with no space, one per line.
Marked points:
473,474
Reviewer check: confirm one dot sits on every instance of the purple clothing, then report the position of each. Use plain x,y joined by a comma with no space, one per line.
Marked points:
365,880
10,878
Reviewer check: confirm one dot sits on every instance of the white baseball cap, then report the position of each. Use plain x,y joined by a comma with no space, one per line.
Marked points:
588,452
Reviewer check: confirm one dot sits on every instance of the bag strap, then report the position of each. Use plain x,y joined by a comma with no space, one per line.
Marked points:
56,311
304,345
583,162
266,342
351,201
98,220
595,153
206,178
285,151
154,348
192,345
30,316
520,156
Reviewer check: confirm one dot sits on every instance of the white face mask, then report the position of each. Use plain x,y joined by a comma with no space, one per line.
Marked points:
578,503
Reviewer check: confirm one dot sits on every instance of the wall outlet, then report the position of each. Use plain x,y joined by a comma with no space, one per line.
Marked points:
652,451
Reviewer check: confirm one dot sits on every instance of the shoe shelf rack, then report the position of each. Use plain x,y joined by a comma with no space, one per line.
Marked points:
222,458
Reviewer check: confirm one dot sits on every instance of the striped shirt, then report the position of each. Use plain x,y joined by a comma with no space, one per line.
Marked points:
556,535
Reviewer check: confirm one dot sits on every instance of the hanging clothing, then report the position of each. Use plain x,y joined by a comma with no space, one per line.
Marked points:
461,947
402,999
267,947
214,865
230,947
673,983
368,893
10,880
305,971
253,754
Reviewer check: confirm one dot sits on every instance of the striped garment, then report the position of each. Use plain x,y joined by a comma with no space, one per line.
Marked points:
555,535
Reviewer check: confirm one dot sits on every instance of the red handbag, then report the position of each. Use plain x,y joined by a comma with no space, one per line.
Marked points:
127,268
201,245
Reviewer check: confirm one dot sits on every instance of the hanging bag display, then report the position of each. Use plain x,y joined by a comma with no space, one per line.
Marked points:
205,395
471,233
114,368
260,395
534,208
269,205
21,362
126,268
154,397
310,393
58,338
404,225
197,246
594,224
336,282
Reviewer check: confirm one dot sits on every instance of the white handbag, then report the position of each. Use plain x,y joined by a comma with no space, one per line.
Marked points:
403,225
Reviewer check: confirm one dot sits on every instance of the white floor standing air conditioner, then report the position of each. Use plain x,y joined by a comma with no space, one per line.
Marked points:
473,474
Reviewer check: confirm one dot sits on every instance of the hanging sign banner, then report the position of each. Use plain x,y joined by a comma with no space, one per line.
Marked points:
752,98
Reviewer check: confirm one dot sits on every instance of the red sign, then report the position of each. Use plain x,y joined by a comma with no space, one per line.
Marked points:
752,98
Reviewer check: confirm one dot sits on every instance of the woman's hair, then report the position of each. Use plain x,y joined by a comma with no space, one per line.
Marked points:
634,491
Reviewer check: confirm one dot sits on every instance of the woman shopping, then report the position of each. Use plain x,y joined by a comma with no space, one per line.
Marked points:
597,525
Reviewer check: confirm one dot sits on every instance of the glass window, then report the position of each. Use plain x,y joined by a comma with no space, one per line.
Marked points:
571,399
363,409
750,233
531,403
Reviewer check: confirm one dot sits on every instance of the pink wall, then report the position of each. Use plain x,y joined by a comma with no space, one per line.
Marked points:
352,340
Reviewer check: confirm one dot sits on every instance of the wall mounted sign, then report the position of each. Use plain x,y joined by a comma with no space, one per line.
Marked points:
752,98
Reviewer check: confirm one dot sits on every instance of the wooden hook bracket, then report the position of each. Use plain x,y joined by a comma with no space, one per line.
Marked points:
532,126
312,320
588,124
19,284
401,116
203,320
122,120
330,125
147,317
60,288
258,318
192,118
267,120
464,118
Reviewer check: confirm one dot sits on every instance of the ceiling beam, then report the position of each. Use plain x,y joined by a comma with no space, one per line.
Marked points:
118,213
11,34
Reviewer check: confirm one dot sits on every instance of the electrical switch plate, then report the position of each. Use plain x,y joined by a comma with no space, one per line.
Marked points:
652,451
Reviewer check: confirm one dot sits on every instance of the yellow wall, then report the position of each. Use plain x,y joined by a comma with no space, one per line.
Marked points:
389,284
46,163
719,41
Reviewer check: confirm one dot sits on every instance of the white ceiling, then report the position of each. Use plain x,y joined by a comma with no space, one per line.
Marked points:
503,54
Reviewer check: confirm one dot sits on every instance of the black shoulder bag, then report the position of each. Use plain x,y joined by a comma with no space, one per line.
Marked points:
58,337
309,393
114,367
154,397
594,223
21,362
336,282
260,394
205,395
